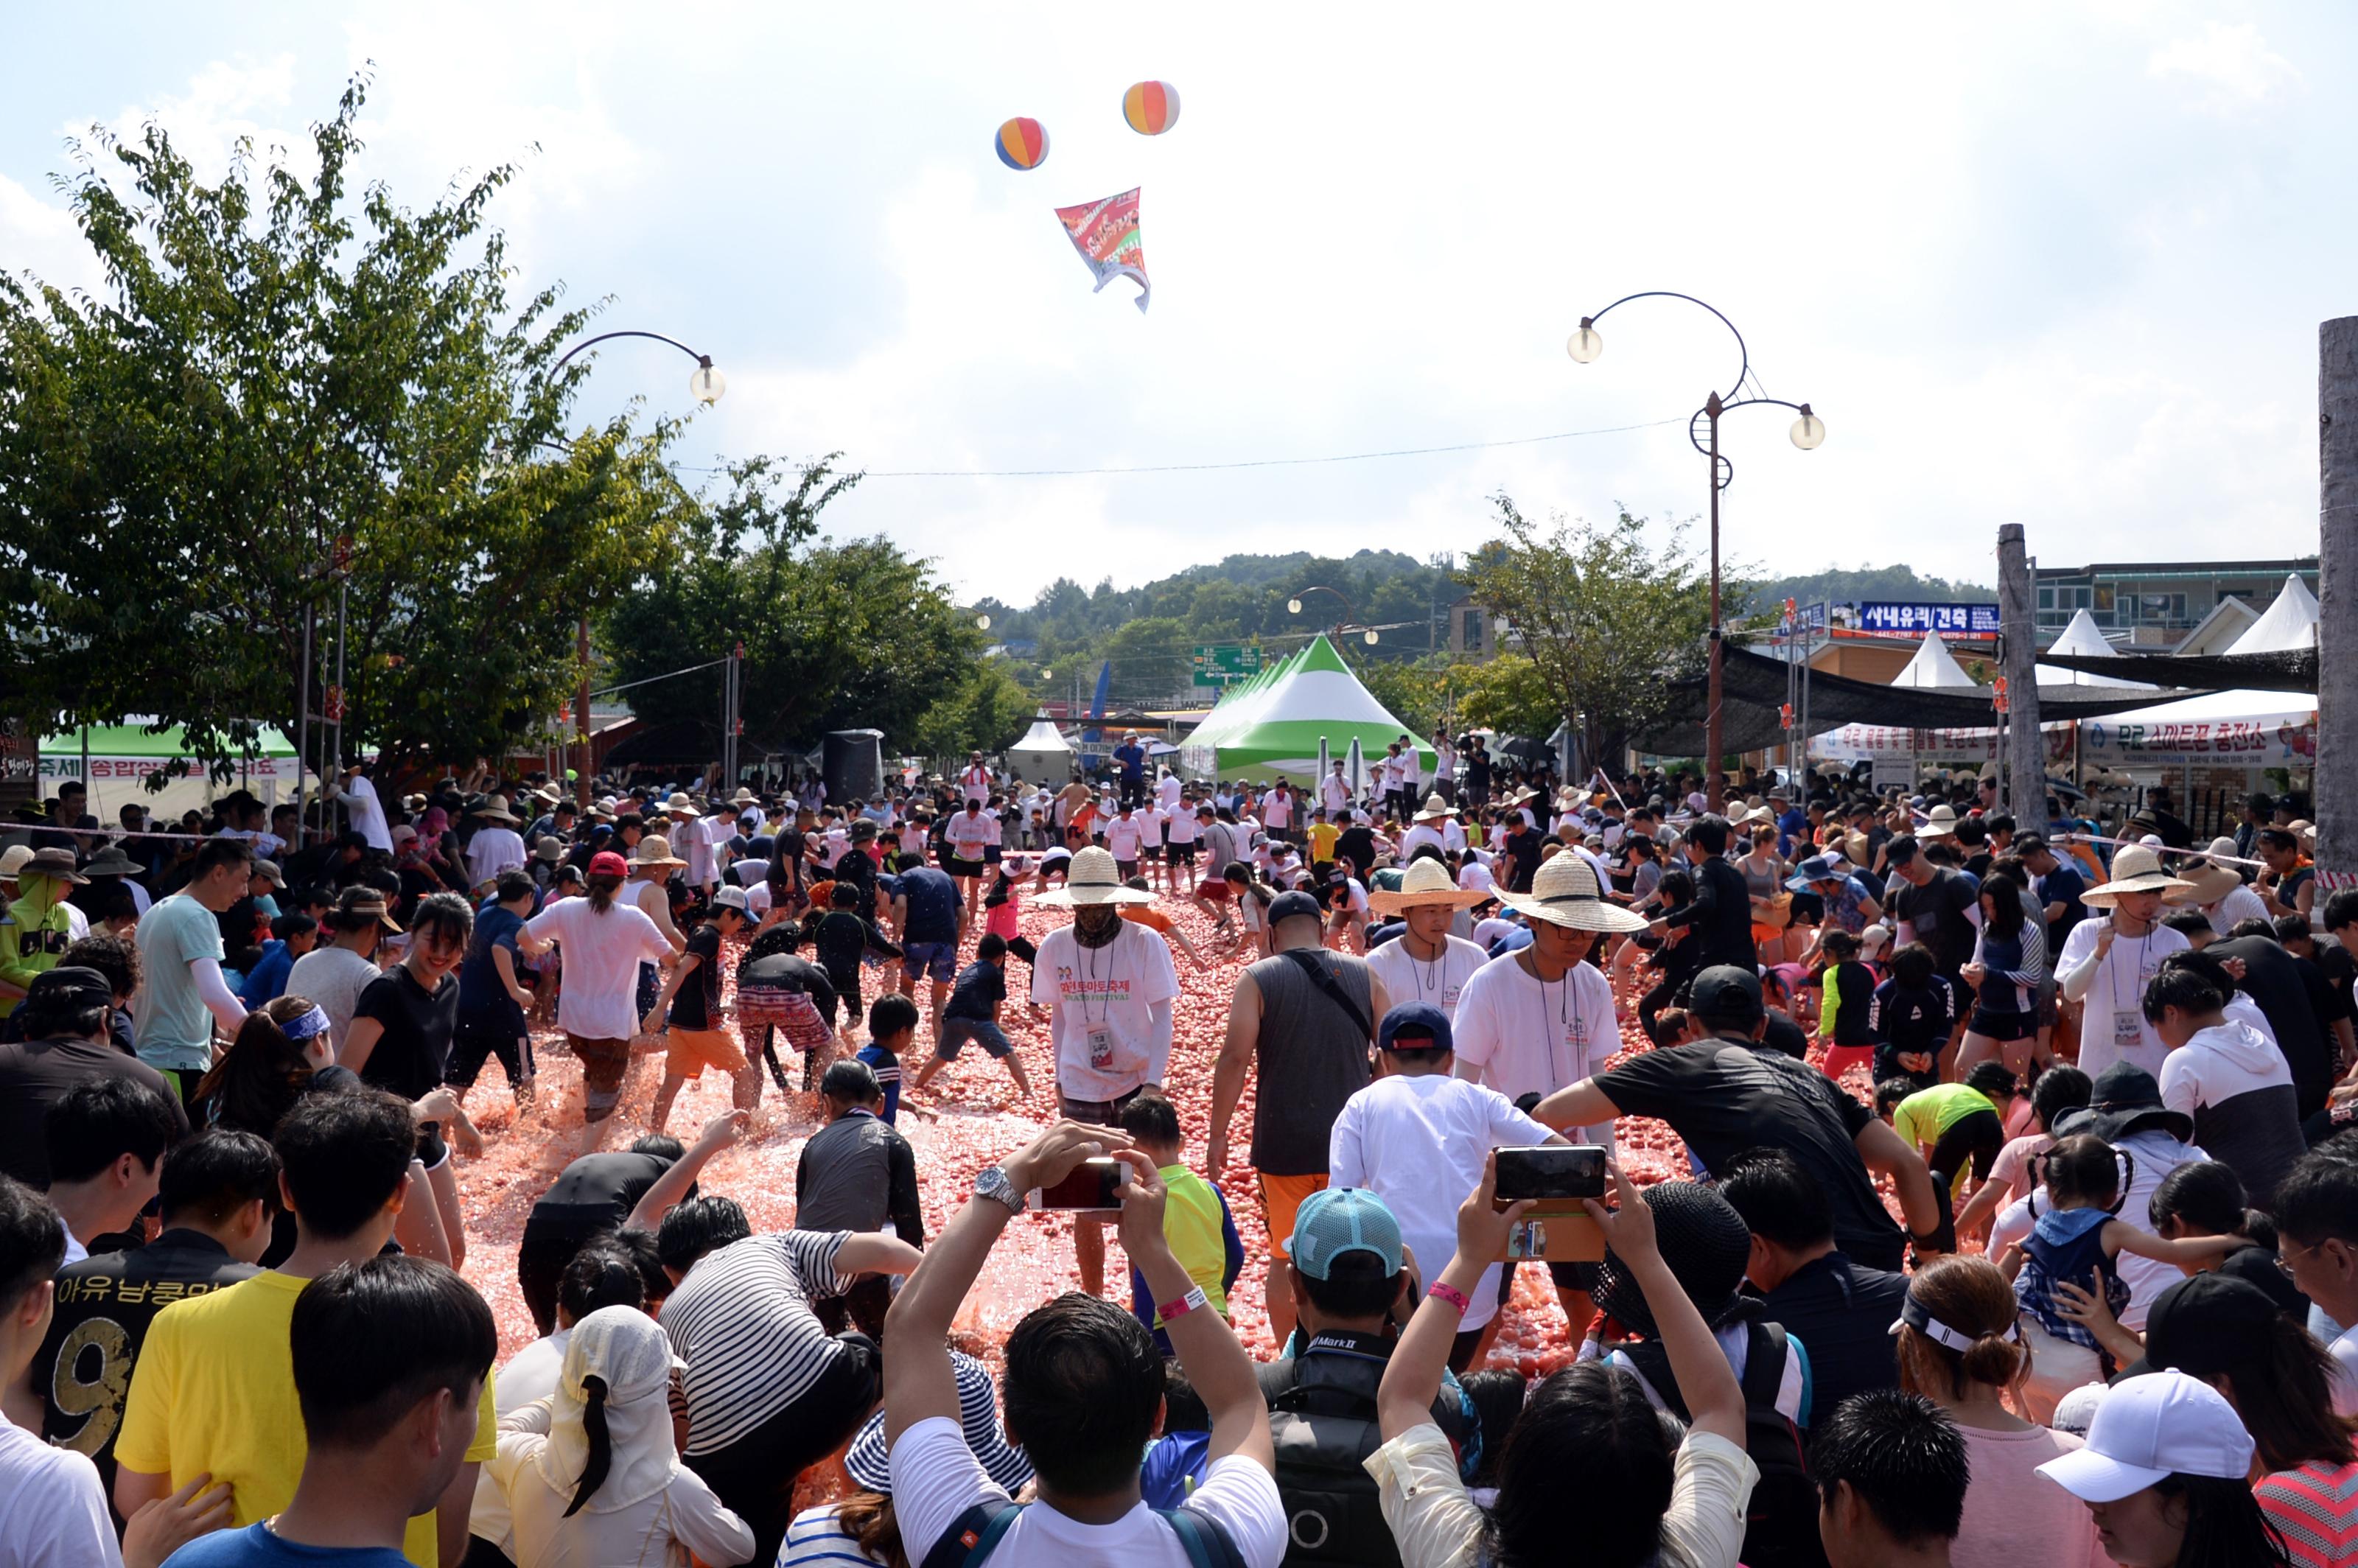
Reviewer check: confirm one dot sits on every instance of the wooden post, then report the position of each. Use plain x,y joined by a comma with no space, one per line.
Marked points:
2337,603
2024,767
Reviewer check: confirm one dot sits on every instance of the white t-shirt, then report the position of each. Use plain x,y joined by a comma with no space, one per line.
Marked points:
2114,1029
367,813
1106,996
57,1516
1180,828
1154,822
752,874
2345,1381
1278,809
1123,835
1418,1143
1335,795
1437,982
333,978
493,850
1521,1034
975,782
1422,834
1167,791
532,1374
603,954
2238,905
969,833
937,1477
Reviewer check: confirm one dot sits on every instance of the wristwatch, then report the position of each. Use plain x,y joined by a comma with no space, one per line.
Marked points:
994,1185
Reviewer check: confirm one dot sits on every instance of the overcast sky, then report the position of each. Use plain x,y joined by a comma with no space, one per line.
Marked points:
2060,265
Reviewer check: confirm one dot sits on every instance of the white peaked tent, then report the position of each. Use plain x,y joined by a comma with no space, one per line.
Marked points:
2258,729
2082,640
1043,756
1933,665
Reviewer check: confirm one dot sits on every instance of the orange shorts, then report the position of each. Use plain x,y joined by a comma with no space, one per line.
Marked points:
1281,1196
690,1051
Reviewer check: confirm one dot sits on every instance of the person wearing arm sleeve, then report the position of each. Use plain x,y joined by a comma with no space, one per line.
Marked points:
222,1001
2083,955
902,1205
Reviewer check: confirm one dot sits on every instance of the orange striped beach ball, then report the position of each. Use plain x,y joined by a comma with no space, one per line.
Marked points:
1150,107
1022,144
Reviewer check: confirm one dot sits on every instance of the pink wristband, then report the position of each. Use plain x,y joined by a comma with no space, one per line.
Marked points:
1451,1295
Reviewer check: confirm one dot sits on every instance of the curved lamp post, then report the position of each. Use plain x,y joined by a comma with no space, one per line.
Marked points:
705,384
1350,623
1808,433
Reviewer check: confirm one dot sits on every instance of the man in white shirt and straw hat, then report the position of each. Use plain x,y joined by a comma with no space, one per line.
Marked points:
2106,964
496,847
1427,828
2214,887
1427,963
1111,983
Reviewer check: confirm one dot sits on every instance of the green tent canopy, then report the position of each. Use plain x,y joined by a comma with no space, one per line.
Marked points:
118,741
1272,723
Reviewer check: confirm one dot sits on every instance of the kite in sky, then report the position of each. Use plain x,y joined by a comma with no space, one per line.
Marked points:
1105,234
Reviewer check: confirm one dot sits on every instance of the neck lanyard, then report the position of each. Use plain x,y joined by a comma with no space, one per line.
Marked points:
2113,976
1105,998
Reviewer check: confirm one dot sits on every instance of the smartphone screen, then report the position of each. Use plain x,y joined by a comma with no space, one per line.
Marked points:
1553,1172
1094,1183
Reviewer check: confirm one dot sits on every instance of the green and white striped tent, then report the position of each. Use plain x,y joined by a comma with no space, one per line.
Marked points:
1272,723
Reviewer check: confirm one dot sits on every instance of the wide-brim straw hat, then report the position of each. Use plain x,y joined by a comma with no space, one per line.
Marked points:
2134,870
496,809
654,849
2208,881
1940,823
742,798
1433,809
1425,882
1093,878
1564,892
550,794
678,805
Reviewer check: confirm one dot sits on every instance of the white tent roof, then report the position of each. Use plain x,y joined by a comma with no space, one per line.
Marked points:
1933,665
2290,623
2082,640
1044,736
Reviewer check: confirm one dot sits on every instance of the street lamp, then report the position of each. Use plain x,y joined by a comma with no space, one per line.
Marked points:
1809,432
982,622
1350,617
705,384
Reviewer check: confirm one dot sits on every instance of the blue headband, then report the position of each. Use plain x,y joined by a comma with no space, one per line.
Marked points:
315,1021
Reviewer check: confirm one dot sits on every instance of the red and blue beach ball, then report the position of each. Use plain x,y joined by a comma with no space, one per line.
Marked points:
1150,107
1021,144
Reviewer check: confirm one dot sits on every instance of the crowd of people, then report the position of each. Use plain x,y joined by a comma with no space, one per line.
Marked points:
2009,1215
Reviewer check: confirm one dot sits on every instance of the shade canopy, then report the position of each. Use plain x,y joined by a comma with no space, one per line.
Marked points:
1273,723
2081,640
1933,668
2272,725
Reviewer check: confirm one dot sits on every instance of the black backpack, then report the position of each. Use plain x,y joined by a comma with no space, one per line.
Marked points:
1781,1523
1322,1423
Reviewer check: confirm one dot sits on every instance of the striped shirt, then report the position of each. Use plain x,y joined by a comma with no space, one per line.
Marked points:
2315,1508
817,1537
743,1322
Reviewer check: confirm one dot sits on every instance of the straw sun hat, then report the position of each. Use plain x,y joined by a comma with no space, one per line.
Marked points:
654,849
1426,881
2208,881
1564,892
1093,878
2134,870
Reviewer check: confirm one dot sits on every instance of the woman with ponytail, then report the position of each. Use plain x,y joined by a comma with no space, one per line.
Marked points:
591,1474
605,938
1959,1347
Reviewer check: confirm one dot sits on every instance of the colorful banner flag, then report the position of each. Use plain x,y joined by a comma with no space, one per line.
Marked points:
1106,233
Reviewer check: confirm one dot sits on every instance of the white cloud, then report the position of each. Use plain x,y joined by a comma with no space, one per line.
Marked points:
2231,63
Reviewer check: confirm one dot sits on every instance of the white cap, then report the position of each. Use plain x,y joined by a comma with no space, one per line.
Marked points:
2149,1428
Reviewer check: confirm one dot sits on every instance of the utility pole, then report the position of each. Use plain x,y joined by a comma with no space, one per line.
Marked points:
2023,769
2337,602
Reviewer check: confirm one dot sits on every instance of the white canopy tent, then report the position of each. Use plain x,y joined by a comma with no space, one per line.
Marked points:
1043,755
2252,728
2082,640
1933,665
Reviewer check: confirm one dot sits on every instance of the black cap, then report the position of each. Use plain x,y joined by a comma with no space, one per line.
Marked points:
69,986
1288,905
2208,1324
1727,993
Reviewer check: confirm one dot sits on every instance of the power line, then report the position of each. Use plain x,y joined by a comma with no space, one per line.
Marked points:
1242,463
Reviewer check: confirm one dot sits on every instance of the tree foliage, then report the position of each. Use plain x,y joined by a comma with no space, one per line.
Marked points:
1606,621
279,361
836,633
1507,695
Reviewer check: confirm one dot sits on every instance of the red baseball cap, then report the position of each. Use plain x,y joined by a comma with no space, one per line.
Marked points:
606,863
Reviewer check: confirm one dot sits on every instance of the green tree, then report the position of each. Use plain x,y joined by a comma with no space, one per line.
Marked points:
836,633
277,363
986,710
1606,621
1507,695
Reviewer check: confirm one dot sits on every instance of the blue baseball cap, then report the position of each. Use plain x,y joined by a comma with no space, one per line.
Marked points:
1337,1220
1419,1018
